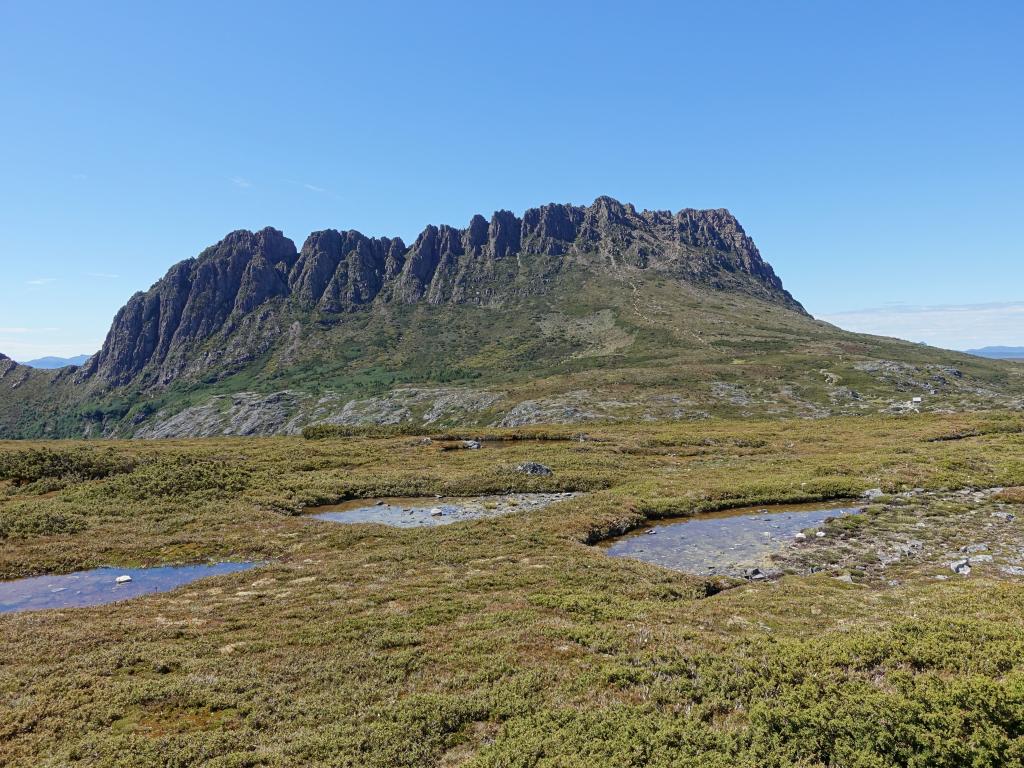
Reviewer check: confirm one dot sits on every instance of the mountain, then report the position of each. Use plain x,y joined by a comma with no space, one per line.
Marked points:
56,362
235,286
999,353
566,314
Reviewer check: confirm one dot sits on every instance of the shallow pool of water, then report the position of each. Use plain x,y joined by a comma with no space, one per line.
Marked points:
727,543
419,511
99,585
496,444
532,442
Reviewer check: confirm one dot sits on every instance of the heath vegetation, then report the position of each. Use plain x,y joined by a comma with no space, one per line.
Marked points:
510,641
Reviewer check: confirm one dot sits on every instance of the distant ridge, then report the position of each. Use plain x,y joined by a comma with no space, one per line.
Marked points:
55,362
998,353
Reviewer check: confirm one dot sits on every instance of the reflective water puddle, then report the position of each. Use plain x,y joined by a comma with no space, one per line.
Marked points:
103,585
418,511
498,444
735,542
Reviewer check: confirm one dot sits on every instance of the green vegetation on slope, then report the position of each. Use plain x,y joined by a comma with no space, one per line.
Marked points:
588,347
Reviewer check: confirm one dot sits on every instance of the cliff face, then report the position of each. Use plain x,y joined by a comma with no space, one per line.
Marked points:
195,299
230,286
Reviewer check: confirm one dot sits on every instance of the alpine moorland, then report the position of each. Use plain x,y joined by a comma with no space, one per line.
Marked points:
514,640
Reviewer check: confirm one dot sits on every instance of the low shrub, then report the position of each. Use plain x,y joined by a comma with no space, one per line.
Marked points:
27,466
24,521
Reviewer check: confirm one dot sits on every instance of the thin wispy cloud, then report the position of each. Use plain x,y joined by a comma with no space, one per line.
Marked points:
307,185
955,326
241,182
41,281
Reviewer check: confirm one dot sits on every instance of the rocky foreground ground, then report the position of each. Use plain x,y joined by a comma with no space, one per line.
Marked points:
919,534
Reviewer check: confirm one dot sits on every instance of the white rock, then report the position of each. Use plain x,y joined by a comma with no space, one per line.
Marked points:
124,579
820,534
801,537
961,567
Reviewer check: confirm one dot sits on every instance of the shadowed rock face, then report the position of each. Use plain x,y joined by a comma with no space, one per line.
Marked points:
194,300
228,285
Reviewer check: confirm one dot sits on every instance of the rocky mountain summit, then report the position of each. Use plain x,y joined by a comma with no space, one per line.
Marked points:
567,314
230,285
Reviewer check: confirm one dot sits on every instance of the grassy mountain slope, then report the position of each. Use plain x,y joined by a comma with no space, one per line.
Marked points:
592,347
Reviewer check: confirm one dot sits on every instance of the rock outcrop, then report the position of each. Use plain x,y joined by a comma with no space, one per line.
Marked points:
194,300
160,334
6,365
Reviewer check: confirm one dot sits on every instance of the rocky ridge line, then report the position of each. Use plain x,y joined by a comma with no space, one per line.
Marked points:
228,285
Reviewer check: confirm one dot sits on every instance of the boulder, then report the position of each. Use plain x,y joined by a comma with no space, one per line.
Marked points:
534,468
961,567
971,548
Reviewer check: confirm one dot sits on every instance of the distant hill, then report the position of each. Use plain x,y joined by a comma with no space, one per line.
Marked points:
56,362
999,353
565,314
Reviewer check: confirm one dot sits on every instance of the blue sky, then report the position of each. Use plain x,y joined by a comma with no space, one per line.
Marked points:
874,150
